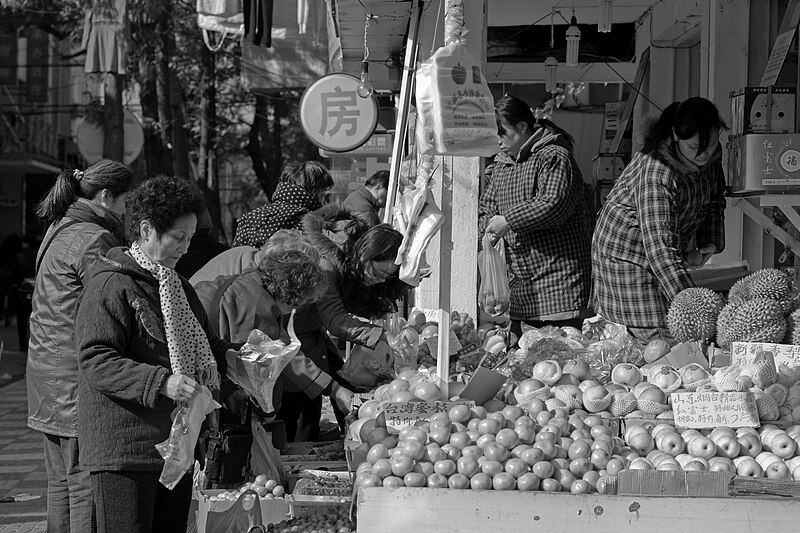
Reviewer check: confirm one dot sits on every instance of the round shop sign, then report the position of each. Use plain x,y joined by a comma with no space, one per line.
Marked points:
790,160
90,136
334,117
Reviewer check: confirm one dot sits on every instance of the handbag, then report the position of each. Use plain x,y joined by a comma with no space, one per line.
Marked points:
228,456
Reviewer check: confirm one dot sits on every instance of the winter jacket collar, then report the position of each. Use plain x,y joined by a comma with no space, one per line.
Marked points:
667,153
329,229
541,137
118,260
84,210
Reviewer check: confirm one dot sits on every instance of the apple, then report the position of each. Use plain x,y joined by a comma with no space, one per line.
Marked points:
429,329
701,447
748,467
641,442
393,481
588,383
727,446
721,464
665,378
415,479
653,394
416,319
669,465
641,463
694,464
781,444
548,372
670,442
579,368
626,374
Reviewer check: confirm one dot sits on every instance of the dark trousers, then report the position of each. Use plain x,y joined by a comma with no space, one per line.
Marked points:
69,492
300,415
135,502
516,325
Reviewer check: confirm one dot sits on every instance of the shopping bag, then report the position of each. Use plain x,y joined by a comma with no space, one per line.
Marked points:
366,367
264,458
178,450
494,295
227,456
455,109
243,515
225,17
404,342
258,365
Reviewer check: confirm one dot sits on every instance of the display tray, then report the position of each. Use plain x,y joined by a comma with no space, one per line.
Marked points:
468,511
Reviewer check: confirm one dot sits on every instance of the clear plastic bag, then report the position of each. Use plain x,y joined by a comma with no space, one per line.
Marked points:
404,342
178,449
366,367
494,294
258,365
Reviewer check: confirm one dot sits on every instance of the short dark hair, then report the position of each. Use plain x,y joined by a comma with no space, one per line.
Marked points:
291,276
312,176
380,179
161,201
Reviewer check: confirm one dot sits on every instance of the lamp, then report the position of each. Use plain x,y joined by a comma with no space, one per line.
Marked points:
365,88
551,63
573,42
606,11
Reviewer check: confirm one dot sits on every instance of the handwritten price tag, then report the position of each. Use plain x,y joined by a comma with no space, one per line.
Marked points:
712,409
743,353
402,414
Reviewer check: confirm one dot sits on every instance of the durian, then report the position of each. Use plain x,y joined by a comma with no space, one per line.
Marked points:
693,314
792,328
754,320
769,283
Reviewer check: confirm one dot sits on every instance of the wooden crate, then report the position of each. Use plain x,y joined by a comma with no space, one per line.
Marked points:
468,511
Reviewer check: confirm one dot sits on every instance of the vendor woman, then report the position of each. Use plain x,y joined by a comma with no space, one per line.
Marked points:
664,214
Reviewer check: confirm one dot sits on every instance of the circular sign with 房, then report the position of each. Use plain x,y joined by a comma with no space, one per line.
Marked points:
334,117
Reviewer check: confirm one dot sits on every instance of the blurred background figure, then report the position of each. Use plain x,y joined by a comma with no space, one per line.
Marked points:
370,198
203,248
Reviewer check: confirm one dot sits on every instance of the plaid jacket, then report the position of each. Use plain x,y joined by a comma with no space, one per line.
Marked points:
655,208
548,248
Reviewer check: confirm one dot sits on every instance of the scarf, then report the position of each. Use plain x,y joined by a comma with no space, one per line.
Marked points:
189,351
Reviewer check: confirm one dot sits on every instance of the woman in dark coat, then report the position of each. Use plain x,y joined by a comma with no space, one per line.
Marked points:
145,346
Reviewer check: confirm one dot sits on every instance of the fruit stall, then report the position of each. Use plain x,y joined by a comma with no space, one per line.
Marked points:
592,429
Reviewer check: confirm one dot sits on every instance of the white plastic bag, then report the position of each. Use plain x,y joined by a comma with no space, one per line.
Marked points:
258,365
455,106
494,294
178,449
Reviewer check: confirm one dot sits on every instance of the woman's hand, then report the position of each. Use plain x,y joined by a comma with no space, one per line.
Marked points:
342,397
699,257
497,228
179,387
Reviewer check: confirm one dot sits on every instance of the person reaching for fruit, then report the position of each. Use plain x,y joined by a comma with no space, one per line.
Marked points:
535,201
287,277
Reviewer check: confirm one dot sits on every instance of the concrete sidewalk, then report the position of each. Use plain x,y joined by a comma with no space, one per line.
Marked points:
22,469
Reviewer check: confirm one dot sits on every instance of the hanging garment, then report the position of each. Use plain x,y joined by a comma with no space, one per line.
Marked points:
106,30
258,22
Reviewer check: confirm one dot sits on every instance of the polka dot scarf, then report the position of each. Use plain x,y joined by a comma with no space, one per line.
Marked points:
289,203
189,351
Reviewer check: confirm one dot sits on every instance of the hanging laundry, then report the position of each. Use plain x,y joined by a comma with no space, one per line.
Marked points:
106,31
258,22
225,17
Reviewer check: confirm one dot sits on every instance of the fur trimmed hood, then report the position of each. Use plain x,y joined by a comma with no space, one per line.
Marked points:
330,228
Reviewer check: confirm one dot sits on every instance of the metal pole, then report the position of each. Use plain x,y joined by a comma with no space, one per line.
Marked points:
407,83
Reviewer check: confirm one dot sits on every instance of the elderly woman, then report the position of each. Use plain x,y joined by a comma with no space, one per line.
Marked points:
145,345
288,276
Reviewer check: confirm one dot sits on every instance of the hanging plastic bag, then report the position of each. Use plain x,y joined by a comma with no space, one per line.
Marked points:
494,295
455,106
404,341
178,449
258,365
264,458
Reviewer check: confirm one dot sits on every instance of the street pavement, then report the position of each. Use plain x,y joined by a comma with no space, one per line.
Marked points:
22,469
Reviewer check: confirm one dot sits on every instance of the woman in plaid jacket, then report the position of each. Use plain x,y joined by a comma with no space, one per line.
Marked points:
535,201
664,214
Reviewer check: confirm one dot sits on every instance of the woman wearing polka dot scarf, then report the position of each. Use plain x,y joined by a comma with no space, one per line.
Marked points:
145,345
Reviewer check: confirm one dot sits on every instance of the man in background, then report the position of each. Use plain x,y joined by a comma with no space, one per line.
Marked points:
370,198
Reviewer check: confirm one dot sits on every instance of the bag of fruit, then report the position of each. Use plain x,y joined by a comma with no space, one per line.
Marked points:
494,295
244,514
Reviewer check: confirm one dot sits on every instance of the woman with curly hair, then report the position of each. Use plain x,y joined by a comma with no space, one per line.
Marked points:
288,276
302,187
84,209
145,346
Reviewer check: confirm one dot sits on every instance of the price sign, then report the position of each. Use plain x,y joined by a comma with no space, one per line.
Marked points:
402,414
743,353
713,409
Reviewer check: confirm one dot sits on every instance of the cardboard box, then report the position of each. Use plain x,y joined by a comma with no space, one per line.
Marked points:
354,455
764,163
674,483
272,511
750,108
